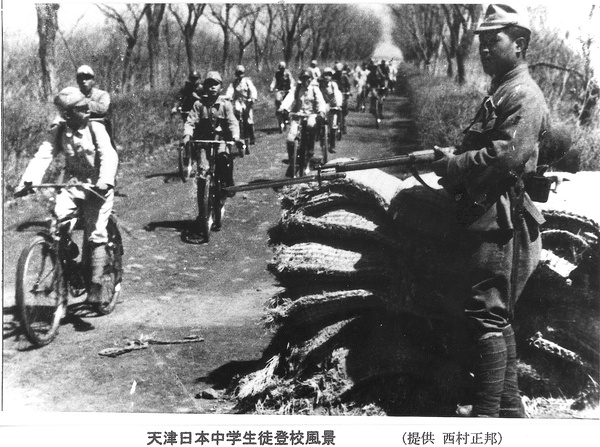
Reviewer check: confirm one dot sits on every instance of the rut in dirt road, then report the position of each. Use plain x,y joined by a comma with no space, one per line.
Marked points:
216,291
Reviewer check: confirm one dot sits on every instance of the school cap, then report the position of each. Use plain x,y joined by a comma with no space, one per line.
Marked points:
213,76
500,16
85,70
70,97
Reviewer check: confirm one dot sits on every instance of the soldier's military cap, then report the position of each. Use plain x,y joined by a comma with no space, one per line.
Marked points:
500,16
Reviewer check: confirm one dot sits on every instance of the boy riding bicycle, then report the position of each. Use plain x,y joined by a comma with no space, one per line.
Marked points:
90,158
306,98
212,118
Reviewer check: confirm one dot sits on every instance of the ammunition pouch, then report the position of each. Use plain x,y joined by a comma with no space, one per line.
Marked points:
538,187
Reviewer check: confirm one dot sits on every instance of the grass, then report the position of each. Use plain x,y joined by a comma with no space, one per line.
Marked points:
442,109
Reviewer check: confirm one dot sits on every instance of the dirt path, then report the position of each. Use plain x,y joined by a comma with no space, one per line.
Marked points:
171,289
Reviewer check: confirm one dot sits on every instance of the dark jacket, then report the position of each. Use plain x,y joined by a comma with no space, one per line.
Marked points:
501,145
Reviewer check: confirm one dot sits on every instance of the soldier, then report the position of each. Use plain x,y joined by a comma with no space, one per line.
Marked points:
243,94
307,98
188,95
485,175
90,157
282,83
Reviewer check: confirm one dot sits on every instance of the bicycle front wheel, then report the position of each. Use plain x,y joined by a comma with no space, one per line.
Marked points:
113,270
41,292
294,160
185,163
205,205
325,143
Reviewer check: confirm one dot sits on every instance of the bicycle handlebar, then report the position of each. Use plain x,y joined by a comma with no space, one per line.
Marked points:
212,142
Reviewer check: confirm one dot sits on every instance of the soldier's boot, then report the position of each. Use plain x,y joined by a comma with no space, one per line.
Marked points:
511,405
489,372
98,259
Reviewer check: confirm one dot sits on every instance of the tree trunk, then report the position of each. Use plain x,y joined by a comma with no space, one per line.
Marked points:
154,16
47,27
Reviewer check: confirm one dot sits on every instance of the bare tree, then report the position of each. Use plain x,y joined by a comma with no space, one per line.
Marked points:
128,23
419,32
457,44
290,27
47,26
188,26
223,17
154,14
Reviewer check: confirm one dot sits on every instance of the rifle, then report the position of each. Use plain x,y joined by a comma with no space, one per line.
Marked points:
333,171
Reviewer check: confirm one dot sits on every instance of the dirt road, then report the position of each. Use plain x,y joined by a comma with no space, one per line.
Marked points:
171,289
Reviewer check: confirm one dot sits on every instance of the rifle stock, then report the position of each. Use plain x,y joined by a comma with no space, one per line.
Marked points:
332,171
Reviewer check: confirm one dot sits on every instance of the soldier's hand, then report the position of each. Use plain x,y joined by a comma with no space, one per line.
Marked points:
23,190
185,140
443,155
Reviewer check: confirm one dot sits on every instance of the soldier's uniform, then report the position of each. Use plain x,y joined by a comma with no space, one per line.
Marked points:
486,177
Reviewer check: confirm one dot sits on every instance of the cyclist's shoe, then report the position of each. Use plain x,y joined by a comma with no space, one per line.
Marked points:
215,227
290,171
331,150
247,149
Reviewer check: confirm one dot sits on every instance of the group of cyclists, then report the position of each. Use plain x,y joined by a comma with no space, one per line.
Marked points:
82,130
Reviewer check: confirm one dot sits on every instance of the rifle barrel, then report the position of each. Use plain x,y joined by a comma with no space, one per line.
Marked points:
335,171
425,156
264,184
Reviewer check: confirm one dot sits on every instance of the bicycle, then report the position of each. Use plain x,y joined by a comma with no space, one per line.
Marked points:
377,97
342,120
298,161
242,113
335,134
282,121
210,195
48,272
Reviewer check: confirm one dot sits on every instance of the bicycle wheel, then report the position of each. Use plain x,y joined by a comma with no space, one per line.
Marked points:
41,293
216,196
113,270
185,163
205,205
294,160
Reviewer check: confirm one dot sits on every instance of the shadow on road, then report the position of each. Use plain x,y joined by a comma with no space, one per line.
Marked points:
168,176
224,375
